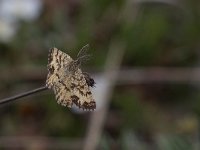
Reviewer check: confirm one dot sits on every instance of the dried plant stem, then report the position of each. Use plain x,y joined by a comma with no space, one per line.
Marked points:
10,99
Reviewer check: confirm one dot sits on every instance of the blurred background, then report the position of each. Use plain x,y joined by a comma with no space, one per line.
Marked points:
145,61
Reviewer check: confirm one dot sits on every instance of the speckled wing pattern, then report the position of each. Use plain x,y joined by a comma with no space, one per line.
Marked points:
70,87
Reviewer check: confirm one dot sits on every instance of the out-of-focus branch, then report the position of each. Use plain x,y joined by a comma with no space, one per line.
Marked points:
96,124
145,75
170,2
39,142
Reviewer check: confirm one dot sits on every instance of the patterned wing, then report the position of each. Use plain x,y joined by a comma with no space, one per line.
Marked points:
90,81
81,94
57,61
69,85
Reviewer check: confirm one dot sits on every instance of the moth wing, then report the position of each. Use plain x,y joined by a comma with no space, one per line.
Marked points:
63,94
81,94
57,60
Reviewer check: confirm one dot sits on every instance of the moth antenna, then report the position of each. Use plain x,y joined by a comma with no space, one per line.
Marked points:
83,51
84,57
81,59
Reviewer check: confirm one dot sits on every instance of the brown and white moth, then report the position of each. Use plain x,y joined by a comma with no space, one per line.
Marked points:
69,83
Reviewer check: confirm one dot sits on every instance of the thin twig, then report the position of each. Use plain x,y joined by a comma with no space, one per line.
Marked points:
11,99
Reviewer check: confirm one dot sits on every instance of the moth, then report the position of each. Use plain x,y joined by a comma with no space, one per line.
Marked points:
66,79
